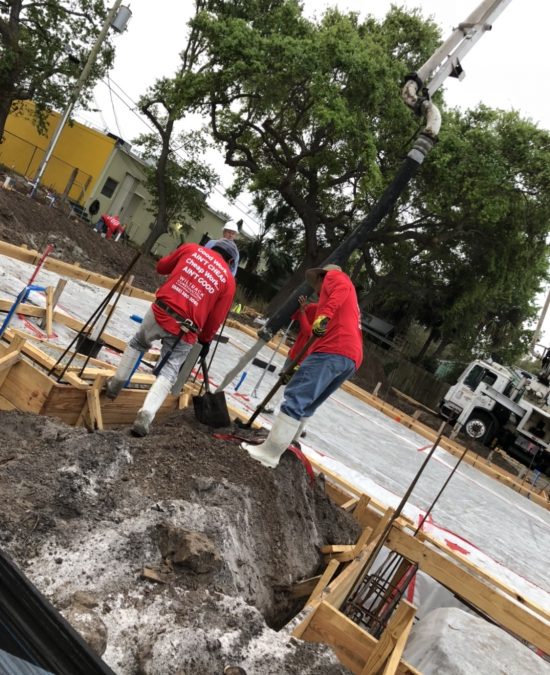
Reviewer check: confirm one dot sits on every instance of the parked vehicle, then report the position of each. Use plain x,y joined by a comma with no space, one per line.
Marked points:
505,405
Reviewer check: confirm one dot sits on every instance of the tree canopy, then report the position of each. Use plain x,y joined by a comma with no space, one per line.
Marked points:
310,112
309,115
43,47
479,218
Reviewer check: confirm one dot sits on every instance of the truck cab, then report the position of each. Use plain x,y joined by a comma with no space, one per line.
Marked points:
493,402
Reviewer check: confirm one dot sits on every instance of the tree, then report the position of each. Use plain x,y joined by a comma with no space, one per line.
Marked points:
175,183
178,179
270,248
478,219
310,112
43,48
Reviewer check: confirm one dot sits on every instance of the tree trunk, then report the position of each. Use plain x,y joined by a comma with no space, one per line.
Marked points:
422,353
6,101
443,344
160,225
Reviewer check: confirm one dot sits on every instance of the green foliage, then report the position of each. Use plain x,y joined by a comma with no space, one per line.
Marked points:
309,112
43,48
187,179
478,223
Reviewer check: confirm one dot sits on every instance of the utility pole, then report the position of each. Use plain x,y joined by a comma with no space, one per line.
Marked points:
118,22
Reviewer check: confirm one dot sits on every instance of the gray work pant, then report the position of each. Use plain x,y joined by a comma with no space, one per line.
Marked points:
148,332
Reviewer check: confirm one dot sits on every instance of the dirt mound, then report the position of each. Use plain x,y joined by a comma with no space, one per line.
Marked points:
85,513
26,221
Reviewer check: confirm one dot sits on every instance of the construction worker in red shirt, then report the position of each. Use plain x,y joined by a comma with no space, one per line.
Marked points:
333,358
191,305
109,226
304,316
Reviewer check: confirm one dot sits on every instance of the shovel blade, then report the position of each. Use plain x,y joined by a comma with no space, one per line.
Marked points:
211,409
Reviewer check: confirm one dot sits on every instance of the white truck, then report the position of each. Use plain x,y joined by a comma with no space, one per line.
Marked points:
508,405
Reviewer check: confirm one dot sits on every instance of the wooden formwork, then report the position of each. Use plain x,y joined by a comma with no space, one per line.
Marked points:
516,613
26,386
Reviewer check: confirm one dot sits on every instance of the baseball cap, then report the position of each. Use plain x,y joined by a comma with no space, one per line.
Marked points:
228,246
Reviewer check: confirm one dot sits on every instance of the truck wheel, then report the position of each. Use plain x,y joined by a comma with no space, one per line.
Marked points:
481,426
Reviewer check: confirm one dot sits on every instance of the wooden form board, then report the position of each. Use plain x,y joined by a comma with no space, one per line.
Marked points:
68,270
27,309
500,607
323,621
369,512
498,600
28,388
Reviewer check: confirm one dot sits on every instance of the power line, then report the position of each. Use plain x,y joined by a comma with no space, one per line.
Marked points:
243,208
113,105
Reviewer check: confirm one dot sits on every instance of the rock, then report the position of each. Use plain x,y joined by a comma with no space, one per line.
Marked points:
190,549
85,599
89,625
454,642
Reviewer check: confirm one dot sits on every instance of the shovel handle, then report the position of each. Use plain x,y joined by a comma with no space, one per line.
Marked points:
204,369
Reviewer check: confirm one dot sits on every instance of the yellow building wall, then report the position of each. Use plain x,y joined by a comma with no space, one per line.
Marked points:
79,147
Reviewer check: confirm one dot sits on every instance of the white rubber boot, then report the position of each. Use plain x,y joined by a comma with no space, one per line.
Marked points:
154,399
270,451
300,430
127,362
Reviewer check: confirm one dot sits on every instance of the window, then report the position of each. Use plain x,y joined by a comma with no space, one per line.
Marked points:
478,375
109,188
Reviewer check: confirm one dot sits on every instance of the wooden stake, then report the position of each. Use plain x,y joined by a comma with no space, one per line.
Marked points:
387,653
51,302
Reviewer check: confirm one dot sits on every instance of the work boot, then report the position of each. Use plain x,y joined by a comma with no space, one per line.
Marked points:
114,384
154,399
300,433
280,437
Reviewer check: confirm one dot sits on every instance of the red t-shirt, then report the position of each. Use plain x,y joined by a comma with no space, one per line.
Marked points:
338,301
113,225
305,320
200,287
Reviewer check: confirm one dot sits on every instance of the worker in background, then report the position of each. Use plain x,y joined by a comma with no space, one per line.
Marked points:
230,232
189,306
109,226
333,357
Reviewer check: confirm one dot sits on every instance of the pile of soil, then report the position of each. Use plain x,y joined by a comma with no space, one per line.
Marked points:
27,221
85,513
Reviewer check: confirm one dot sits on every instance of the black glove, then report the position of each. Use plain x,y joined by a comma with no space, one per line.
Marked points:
205,349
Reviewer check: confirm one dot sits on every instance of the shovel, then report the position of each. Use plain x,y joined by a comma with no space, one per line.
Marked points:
211,408
288,370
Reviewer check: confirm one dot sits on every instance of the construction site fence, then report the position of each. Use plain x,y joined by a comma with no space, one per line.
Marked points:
412,380
23,158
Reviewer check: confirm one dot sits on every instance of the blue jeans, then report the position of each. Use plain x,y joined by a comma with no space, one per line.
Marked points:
318,377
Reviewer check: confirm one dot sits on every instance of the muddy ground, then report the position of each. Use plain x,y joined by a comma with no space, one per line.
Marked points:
28,221
85,513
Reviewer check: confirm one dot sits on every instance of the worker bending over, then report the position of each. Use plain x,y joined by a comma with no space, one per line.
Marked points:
189,306
333,357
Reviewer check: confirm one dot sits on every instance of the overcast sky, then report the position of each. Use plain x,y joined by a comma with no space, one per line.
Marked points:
506,69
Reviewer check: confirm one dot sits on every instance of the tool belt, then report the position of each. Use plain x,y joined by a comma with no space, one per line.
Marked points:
185,324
